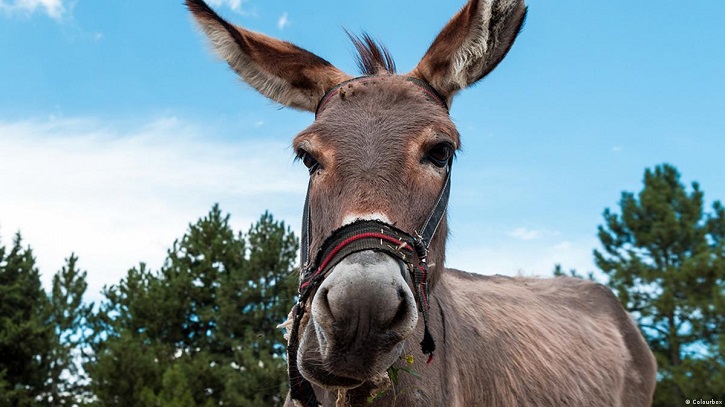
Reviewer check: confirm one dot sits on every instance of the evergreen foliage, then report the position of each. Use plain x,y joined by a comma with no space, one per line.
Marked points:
559,272
41,335
665,259
67,383
201,331
25,335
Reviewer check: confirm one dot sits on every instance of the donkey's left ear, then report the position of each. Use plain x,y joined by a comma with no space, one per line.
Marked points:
279,70
471,45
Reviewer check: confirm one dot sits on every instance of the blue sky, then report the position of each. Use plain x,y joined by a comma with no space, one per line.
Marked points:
118,126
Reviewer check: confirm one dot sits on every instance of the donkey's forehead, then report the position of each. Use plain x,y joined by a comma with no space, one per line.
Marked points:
389,106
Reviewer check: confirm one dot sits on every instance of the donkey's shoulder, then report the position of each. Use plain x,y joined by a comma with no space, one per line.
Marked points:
547,328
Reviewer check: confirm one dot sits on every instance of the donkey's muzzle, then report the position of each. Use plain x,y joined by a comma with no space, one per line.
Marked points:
362,312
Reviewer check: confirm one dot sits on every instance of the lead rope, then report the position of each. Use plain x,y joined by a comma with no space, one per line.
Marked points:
420,273
301,392
420,279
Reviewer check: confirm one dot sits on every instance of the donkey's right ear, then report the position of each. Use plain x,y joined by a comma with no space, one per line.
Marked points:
279,70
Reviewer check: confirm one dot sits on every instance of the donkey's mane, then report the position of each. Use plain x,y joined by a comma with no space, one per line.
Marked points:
372,57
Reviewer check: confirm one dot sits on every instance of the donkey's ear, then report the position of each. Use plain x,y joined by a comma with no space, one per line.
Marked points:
471,44
279,70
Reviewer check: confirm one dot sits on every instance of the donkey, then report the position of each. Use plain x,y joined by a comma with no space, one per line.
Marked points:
379,154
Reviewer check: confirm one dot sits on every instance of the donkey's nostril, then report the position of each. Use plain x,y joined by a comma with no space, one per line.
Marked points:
325,302
402,314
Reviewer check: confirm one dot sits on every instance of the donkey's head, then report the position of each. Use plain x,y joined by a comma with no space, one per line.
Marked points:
380,148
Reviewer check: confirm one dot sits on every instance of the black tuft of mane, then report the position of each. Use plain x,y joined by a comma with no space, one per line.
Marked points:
372,58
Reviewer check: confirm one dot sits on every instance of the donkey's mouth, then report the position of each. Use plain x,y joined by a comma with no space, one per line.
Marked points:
322,377
334,375
343,370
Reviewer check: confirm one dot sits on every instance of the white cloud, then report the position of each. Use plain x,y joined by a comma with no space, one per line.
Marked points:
117,197
235,5
283,21
525,234
530,258
56,9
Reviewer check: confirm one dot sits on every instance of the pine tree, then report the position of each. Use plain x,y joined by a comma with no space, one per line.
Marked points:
665,258
254,303
25,334
69,318
198,267
125,363
202,331
559,272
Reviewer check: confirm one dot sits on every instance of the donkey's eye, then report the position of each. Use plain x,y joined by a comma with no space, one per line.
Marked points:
440,154
307,159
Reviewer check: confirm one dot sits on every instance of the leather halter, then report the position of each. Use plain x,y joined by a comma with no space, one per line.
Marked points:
409,248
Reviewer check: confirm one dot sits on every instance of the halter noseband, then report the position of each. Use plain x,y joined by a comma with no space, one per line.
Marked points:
363,235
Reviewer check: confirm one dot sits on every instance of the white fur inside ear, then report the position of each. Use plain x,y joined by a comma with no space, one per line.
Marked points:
475,47
267,84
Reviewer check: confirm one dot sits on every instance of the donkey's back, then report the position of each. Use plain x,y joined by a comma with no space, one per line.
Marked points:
515,341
